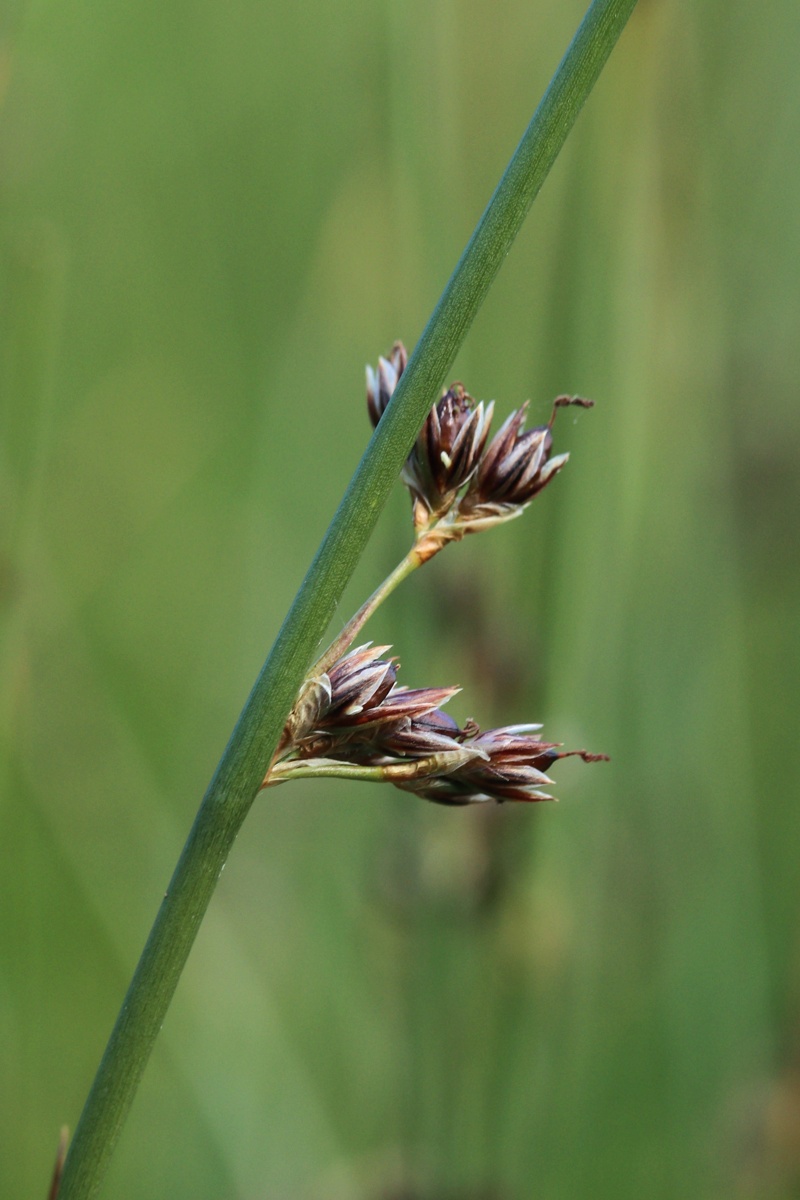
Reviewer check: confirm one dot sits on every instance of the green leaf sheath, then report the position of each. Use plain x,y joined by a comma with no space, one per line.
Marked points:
242,766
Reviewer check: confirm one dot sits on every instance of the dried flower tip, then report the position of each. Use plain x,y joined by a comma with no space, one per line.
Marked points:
568,402
381,383
314,696
584,755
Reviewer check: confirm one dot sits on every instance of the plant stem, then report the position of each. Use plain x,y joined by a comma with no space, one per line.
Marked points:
239,775
354,626
321,768
390,772
429,542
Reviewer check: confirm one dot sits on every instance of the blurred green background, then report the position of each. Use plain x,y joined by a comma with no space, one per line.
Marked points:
212,217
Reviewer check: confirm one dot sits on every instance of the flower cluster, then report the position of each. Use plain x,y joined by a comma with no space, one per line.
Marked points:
452,474
509,763
351,717
356,714
355,711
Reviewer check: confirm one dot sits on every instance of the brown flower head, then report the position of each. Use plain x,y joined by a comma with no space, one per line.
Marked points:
447,452
352,708
516,466
356,686
449,447
510,765
421,736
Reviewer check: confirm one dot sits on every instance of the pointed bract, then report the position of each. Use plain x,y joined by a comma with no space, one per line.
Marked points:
359,682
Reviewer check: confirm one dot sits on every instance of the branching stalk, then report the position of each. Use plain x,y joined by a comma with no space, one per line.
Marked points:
344,641
393,772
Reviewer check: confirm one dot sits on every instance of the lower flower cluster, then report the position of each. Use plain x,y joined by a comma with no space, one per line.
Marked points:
354,716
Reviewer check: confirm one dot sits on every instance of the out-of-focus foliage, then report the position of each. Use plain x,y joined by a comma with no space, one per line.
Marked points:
212,216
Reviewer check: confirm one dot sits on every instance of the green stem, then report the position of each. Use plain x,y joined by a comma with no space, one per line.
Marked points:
429,542
354,626
321,768
240,773
391,772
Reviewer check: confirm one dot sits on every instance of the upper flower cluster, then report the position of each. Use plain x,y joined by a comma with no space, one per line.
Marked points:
451,473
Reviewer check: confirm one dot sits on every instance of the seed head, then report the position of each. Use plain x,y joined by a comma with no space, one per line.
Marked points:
358,709
355,713
450,470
